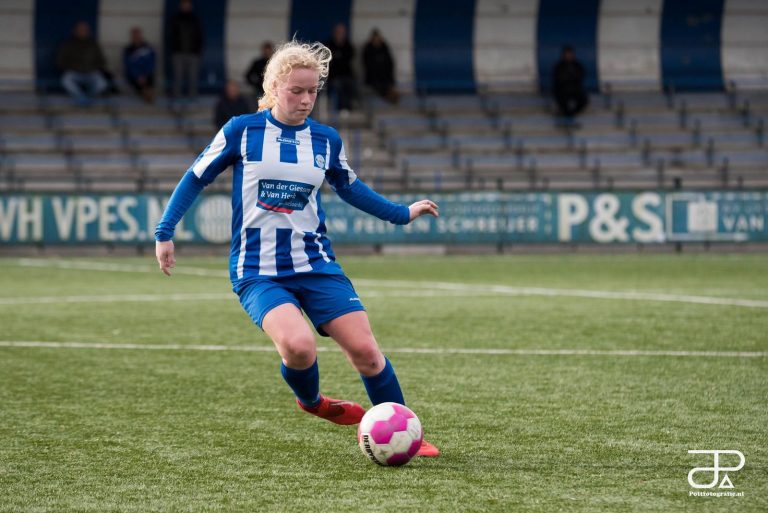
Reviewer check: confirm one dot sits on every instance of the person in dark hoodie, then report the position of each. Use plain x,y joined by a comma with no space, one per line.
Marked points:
341,77
231,104
255,74
186,48
379,67
81,62
139,65
568,85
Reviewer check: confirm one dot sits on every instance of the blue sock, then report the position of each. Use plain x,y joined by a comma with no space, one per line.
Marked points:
305,383
383,387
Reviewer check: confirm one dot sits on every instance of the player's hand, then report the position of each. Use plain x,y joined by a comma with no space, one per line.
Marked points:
165,256
423,207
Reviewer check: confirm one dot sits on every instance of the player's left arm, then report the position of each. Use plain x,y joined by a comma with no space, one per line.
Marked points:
354,191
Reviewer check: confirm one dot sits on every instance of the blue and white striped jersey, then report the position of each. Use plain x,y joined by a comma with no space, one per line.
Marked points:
278,223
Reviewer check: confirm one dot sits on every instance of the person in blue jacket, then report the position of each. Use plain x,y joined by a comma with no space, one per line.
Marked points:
281,261
139,65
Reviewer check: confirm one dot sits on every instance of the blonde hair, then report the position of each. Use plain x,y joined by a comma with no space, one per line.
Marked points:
287,57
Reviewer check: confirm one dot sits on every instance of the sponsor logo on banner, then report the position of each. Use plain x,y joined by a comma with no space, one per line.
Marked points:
600,217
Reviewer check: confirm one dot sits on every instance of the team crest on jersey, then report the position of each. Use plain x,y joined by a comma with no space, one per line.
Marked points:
320,161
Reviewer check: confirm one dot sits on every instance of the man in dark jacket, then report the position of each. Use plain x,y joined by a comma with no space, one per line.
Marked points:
341,77
186,48
568,85
81,62
231,104
255,74
379,67
139,65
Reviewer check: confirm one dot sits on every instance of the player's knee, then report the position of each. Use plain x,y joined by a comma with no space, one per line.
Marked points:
298,351
368,359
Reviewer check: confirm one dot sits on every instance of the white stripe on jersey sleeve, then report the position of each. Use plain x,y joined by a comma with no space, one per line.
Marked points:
244,145
343,163
211,153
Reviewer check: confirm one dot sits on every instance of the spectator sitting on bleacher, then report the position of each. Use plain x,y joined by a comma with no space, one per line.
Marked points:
568,85
231,104
139,65
341,78
379,67
81,62
255,74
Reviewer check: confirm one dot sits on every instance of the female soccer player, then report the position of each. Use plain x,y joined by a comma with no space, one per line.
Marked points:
281,261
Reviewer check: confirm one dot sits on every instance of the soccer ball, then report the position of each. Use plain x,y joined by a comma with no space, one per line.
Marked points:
390,434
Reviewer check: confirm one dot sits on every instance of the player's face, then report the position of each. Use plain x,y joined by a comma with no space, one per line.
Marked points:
296,96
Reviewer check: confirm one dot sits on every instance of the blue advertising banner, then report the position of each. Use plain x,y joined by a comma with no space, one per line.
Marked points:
465,218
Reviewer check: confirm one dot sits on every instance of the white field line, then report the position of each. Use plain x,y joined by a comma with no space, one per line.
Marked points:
436,285
229,296
411,350
127,298
123,268
591,294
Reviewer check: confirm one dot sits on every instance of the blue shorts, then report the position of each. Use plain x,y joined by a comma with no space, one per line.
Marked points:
323,297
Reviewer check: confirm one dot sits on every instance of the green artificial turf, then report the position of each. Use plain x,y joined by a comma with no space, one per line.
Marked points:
86,428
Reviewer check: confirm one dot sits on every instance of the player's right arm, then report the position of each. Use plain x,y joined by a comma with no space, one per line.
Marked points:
217,156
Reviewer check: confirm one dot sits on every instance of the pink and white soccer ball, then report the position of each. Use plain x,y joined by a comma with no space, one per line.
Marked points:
390,434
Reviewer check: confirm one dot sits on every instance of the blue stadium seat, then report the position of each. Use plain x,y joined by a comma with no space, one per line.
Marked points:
105,142
18,123
19,102
557,161
39,163
517,103
756,158
743,139
467,124
612,141
418,143
455,104
104,165
97,122
400,124
641,101
37,143
151,123
654,121
718,121
543,143
157,165
529,123
620,161
666,140
703,102
160,143
480,143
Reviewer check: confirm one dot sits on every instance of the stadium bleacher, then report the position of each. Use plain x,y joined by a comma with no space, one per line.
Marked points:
641,129
426,142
